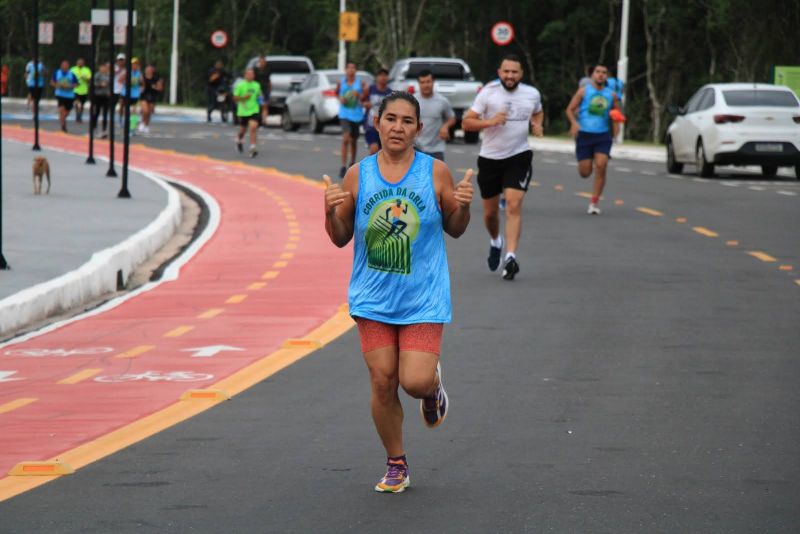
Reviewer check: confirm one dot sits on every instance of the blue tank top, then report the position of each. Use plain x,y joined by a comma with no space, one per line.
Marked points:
593,112
352,110
136,78
68,77
375,96
400,273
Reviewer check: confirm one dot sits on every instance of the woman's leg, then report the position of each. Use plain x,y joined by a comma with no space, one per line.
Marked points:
387,412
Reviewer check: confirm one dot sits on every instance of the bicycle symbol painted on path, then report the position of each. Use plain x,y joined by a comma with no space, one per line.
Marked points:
156,376
61,353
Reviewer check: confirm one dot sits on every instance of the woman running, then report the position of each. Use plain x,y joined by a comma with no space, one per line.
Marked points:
400,287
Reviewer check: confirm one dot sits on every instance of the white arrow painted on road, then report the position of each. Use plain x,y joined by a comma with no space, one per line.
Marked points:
207,352
4,376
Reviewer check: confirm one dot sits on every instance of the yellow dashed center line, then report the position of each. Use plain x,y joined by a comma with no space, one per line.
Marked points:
257,285
583,194
287,255
290,246
177,332
80,376
279,264
785,267
650,211
294,238
210,313
763,256
705,231
269,275
135,351
294,230
732,243
558,187
235,299
680,220
619,202
13,405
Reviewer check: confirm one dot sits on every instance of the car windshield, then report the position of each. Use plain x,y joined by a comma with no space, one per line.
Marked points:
760,97
336,77
441,71
290,67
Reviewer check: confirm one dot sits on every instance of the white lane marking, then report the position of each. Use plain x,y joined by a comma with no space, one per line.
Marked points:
458,150
649,173
701,180
623,169
757,188
571,163
729,184
550,160
787,193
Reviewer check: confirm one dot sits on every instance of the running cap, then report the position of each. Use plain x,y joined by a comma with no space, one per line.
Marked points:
120,56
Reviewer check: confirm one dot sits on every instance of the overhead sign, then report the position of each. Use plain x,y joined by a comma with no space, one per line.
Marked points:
85,33
120,34
100,17
502,33
348,26
45,33
219,39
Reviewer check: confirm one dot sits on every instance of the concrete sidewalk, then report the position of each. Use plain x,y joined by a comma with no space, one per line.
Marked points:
67,247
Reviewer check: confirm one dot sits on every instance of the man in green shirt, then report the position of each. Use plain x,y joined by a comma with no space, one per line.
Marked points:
248,110
84,76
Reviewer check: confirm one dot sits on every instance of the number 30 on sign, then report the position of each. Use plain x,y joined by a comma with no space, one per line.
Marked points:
502,33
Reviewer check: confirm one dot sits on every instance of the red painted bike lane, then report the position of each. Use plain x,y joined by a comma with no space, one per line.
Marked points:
267,275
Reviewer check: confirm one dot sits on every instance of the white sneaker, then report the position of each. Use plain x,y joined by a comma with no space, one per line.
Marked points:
593,209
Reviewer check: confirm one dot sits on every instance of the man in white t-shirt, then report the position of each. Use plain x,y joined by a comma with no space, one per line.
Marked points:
118,85
503,109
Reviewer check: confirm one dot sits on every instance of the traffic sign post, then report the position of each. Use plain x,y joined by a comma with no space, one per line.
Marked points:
502,33
84,33
46,33
348,26
219,39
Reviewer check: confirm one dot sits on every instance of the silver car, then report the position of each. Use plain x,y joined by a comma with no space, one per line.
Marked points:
314,101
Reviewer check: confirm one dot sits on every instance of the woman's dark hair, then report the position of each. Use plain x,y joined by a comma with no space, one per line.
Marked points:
398,95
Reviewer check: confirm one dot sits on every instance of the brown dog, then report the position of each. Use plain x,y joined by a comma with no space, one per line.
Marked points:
41,168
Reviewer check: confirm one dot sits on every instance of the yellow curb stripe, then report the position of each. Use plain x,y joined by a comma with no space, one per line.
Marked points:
13,405
80,376
650,211
177,332
763,256
705,231
211,313
235,299
173,414
135,351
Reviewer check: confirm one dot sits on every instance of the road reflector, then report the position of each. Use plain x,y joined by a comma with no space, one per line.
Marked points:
28,469
763,256
301,343
205,394
558,187
785,267
732,243
680,220
619,202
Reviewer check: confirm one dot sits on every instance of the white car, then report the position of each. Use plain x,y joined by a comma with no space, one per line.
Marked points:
314,101
736,124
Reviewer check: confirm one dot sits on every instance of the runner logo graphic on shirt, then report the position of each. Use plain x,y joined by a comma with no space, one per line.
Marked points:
598,105
393,226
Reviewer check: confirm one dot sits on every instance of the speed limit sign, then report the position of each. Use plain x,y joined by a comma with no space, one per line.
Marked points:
219,39
502,33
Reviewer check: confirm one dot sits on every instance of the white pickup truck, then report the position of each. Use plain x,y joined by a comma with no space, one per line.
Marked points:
453,80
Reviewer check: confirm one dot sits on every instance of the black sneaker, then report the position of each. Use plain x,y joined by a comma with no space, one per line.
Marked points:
342,172
494,257
239,146
510,268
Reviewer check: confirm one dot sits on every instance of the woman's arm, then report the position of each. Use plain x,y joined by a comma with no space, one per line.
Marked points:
340,207
455,199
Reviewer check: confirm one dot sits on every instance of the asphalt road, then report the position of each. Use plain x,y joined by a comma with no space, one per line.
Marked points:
639,375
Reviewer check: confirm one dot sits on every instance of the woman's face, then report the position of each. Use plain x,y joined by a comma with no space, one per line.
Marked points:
398,126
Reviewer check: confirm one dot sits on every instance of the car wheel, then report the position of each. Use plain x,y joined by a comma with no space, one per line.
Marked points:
672,165
704,168
797,171
314,123
769,170
471,138
286,121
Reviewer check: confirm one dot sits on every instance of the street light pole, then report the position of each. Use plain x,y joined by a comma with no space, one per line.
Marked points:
38,91
92,68
3,263
173,66
622,64
111,173
342,58
123,192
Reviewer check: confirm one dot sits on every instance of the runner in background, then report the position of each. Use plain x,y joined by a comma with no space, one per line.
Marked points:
117,86
217,87
136,91
102,98
248,111
35,88
590,125
351,90
437,118
64,82
84,76
263,79
153,87
375,95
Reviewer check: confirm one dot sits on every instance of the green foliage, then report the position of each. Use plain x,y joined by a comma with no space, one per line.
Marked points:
693,41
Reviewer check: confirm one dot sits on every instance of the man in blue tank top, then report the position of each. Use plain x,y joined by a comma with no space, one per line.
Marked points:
593,130
377,92
64,81
352,91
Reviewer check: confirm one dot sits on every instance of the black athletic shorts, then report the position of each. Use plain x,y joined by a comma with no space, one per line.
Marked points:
353,128
65,103
80,98
245,121
494,175
35,92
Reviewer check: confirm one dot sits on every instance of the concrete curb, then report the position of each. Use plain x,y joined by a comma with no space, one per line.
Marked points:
637,153
96,277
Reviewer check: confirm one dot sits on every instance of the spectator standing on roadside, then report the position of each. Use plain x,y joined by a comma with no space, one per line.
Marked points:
262,77
35,88
217,82
64,82
84,76
437,118
102,98
375,95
